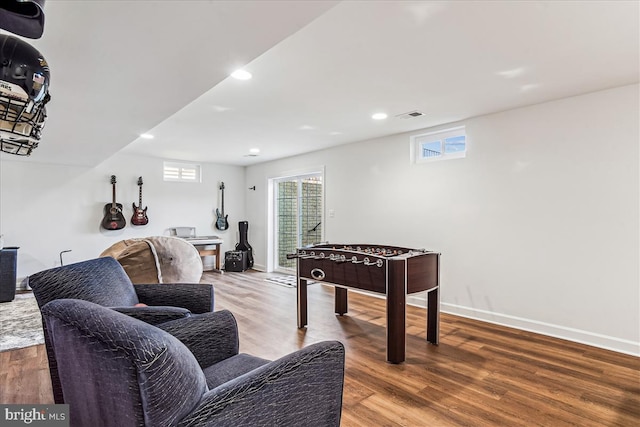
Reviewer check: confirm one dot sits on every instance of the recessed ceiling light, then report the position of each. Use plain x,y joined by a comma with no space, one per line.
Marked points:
220,108
146,136
379,116
335,133
306,127
241,75
528,87
254,150
509,74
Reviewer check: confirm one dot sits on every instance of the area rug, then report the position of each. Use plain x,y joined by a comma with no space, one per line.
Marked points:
285,280
20,323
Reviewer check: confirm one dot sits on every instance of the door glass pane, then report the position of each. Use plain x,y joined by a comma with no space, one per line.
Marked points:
311,212
287,222
299,216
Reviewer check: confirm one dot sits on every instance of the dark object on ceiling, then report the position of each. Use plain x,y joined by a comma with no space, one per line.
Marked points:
24,92
23,17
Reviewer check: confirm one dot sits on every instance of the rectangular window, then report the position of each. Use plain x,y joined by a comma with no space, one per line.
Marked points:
181,172
440,145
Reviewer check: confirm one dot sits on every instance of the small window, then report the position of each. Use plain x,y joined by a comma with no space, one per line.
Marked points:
441,145
182,172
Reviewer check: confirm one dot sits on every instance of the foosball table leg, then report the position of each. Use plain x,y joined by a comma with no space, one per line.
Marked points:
433,316
396,313
302,303
341,300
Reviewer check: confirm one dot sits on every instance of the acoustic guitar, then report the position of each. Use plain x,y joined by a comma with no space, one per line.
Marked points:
221,218
113,218
139,215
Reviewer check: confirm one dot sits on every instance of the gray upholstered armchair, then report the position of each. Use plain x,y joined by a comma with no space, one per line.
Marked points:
103,281
118,371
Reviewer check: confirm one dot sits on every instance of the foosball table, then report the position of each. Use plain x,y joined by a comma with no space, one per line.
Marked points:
388,270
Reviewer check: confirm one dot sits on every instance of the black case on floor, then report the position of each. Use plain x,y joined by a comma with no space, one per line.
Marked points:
8,263
236,261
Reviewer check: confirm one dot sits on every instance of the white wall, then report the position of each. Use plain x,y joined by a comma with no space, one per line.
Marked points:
46,208
538,226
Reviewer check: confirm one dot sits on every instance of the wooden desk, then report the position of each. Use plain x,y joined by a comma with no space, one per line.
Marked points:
201,243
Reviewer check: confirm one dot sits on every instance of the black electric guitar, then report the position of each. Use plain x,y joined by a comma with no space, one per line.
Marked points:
139,215
113,218
221,218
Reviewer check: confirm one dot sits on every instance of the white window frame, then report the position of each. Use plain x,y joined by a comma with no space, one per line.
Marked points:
181,172
417,142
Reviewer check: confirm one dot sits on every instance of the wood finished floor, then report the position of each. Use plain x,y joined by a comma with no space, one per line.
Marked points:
480,374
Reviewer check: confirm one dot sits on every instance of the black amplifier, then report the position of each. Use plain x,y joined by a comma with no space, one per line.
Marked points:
237,261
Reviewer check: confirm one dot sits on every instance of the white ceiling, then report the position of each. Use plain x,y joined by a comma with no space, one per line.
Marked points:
321,69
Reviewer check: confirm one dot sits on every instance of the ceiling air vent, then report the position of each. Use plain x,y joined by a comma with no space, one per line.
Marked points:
410,115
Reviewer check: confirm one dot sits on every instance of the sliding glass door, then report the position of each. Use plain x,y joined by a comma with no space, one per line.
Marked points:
298,205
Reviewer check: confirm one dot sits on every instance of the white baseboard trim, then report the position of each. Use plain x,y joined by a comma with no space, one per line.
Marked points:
22,284
576,335
417,301
259,267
